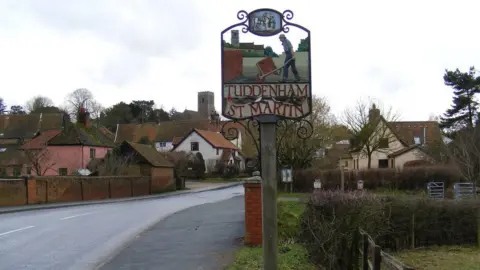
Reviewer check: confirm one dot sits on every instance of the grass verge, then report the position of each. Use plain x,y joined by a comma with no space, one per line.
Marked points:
441,258
291,255
293,195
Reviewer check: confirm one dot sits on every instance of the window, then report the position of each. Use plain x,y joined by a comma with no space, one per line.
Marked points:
194,146
162,144
382,163
218,151
203,100
92,153
29,170
62,171
346,164
416,140
3,171
17,171
383,143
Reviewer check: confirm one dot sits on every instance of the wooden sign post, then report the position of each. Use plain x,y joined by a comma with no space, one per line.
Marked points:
262,85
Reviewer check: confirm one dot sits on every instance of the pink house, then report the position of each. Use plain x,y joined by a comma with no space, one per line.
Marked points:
63,152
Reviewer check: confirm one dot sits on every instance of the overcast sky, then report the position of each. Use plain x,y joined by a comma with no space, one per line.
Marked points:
393,51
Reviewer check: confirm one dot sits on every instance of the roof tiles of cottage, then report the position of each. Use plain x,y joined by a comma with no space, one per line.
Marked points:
216,139
26,126
427,131
41,140
150,154
78,134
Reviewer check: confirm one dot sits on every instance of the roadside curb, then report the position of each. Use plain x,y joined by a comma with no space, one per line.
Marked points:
109,201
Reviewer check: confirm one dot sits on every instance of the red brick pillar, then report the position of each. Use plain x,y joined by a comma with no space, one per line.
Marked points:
31,190
253,211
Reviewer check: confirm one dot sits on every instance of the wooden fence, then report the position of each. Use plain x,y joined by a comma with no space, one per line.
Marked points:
370,256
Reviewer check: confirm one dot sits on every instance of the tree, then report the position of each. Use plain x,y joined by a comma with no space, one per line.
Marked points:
77,99
96,110
304,45
292,150
144,140
37,103
464,110
3,107
41,159
117,114
370,129
112,164
464,152
268,51
299,153
17,110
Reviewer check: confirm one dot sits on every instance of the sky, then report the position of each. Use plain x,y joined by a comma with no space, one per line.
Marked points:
395,52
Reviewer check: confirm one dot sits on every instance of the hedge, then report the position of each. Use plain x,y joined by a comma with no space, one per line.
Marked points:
406,179
331,218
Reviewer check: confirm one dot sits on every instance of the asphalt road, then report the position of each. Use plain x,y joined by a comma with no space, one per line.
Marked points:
203,237
85,237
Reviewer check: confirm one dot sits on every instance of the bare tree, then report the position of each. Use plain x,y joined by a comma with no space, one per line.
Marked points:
79,98
96,110
41,159
112,164
38,102
293,148
370,128
464,152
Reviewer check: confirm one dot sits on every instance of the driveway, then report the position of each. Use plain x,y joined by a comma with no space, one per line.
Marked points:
84,237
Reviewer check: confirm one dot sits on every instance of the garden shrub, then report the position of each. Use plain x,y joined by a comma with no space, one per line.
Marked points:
331,218
412,178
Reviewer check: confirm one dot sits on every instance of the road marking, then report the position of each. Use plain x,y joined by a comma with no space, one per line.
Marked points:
79,215
17,230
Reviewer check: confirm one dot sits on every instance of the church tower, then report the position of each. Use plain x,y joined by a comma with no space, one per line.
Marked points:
206,104
235,39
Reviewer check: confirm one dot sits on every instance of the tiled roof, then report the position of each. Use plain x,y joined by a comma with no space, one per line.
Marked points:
41,140
409,129
216,139
76,134
105,131
150,154
176,140
26,126
405,150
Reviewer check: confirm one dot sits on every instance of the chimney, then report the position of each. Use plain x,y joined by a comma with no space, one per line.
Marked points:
83,117
374,113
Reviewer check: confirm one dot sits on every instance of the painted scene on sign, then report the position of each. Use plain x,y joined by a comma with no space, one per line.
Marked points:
248,58
266,68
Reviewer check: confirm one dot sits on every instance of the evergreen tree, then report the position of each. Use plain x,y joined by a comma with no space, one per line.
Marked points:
464,110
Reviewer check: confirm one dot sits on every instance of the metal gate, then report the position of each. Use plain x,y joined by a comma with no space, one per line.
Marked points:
436,190
464,190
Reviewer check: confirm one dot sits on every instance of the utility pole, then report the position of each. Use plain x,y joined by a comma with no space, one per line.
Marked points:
268,136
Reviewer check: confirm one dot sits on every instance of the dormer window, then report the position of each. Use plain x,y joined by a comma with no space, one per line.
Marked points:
416,140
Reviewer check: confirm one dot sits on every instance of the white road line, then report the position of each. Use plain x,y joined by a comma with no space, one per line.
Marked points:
79,215
17,230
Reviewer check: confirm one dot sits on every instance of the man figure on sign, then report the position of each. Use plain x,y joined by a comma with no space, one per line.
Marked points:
289,59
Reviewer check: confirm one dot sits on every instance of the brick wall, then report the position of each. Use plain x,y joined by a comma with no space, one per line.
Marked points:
162,178
253,213
232,64
51,189
12,192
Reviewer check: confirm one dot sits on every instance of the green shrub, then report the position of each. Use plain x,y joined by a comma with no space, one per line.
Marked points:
331,218
412,178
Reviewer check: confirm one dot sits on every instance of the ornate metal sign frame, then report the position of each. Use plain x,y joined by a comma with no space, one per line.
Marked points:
247,26
251,125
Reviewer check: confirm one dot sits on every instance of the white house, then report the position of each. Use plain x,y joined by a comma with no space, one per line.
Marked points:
401,143
213,146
